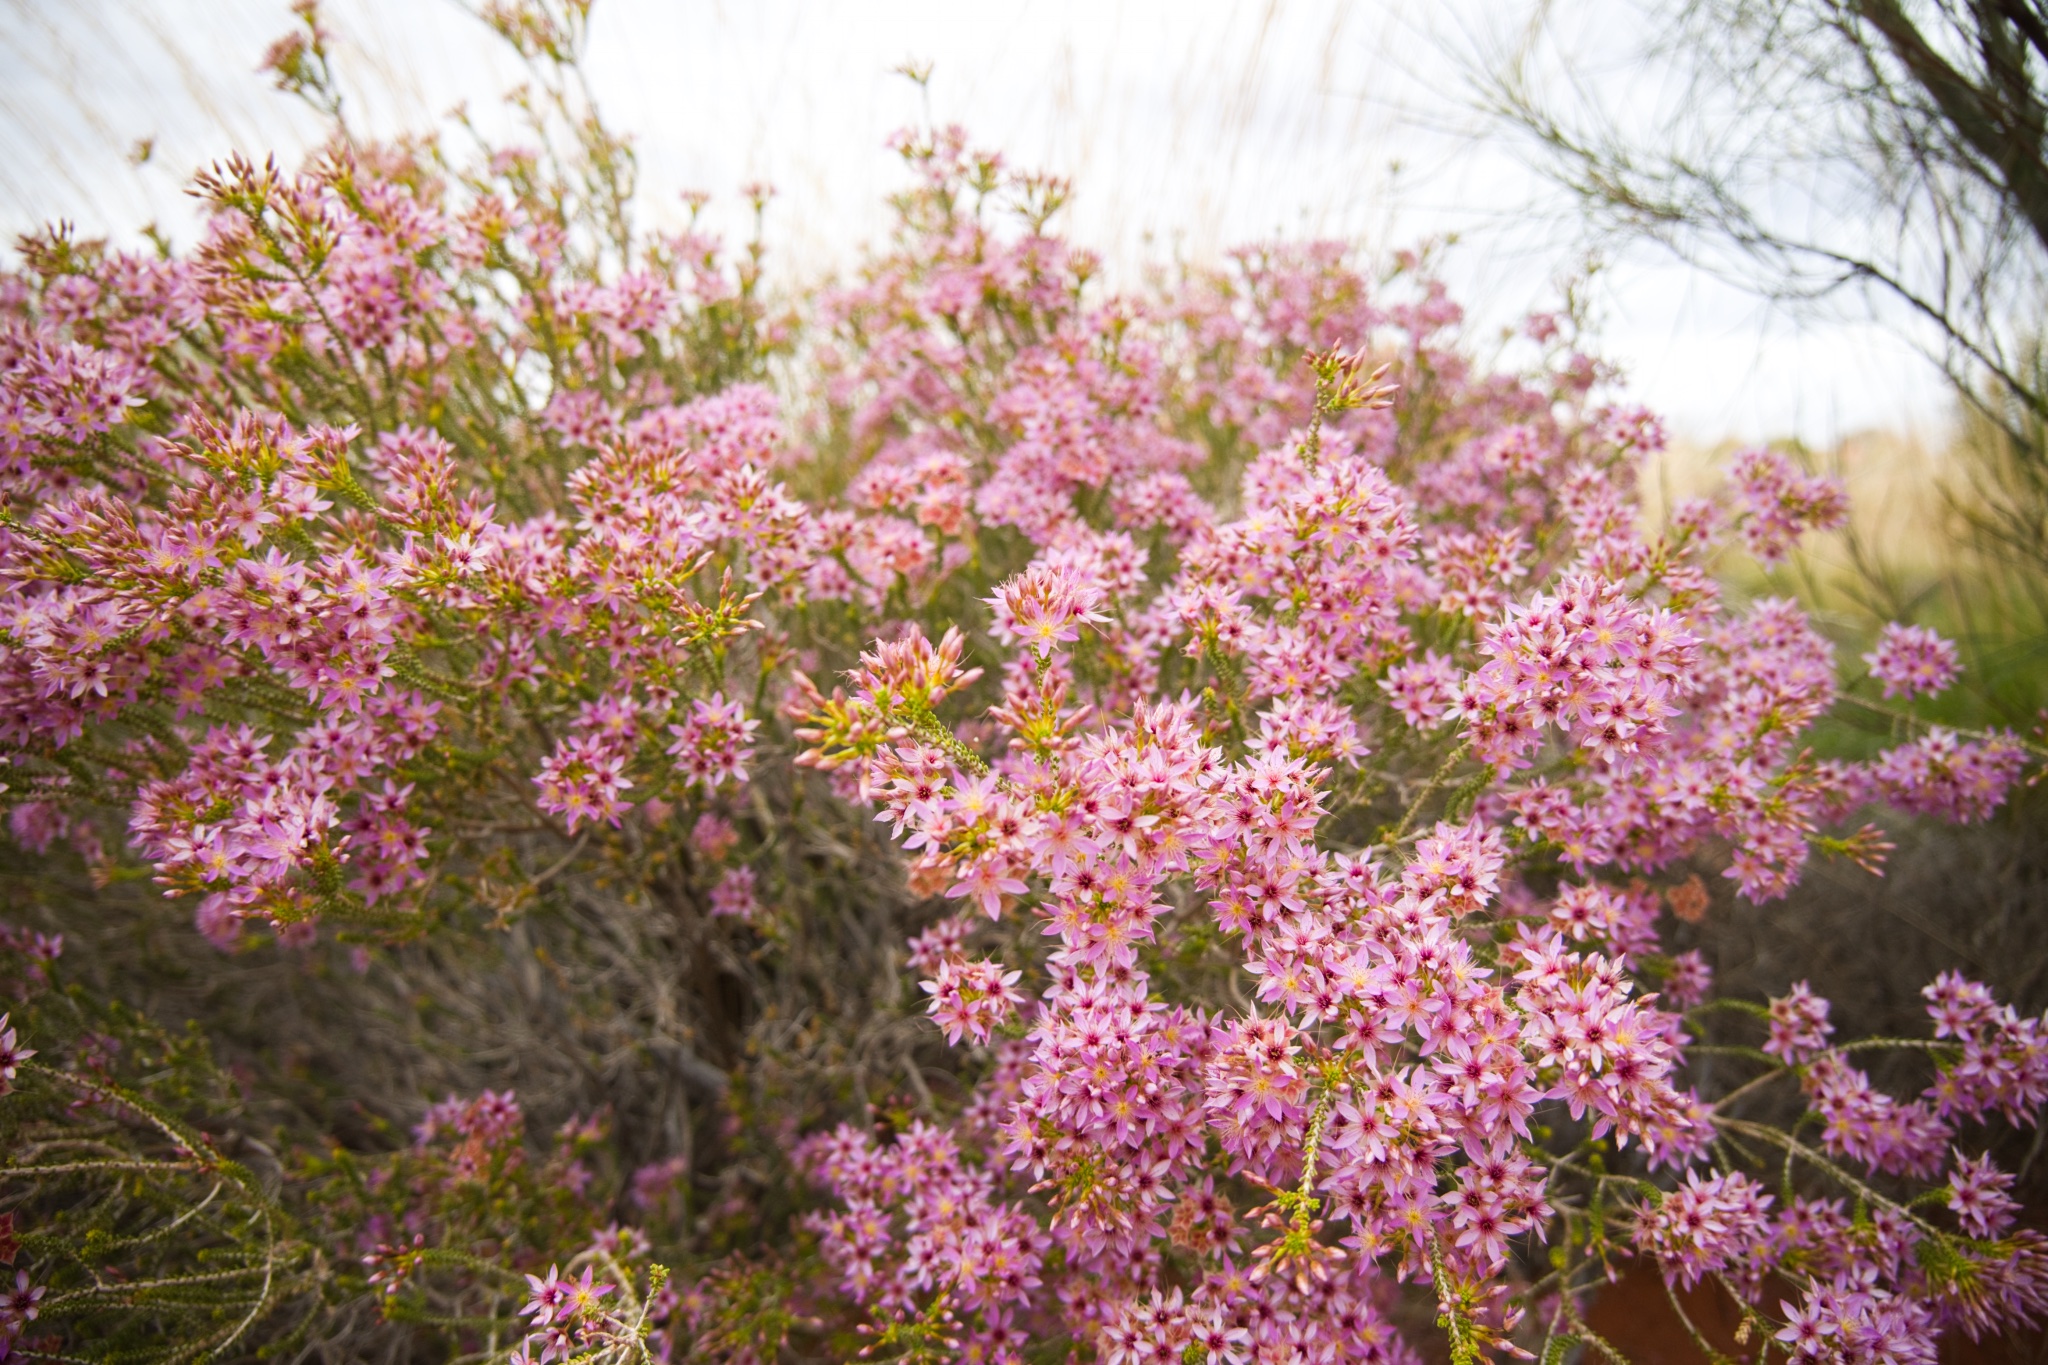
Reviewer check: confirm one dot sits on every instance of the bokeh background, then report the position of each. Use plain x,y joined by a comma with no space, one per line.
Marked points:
1185,127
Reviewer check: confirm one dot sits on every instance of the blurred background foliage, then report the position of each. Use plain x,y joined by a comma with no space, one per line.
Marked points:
1884,159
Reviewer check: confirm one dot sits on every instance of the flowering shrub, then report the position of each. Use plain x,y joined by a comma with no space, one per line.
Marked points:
1298,724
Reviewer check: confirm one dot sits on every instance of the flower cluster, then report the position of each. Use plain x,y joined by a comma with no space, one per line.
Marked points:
919,1221
712,747
568,1318
1912,661
279,624
972,999
1777,502
1946,774
1720,1224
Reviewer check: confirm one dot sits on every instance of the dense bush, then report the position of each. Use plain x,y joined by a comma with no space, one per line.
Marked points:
461,642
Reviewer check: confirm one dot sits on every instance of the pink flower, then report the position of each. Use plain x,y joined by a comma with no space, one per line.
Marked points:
972,999
1799,1025
1044,606
1779,502
19,1306
12,1055
713,837
548,1299
734,895
581,781
1977,1196
986,883
1706,1226
1912,661
714,745
1944,774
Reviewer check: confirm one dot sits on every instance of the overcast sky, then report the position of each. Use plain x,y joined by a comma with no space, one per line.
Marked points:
1186,126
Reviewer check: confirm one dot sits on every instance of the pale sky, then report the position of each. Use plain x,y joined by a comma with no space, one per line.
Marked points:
1185,126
